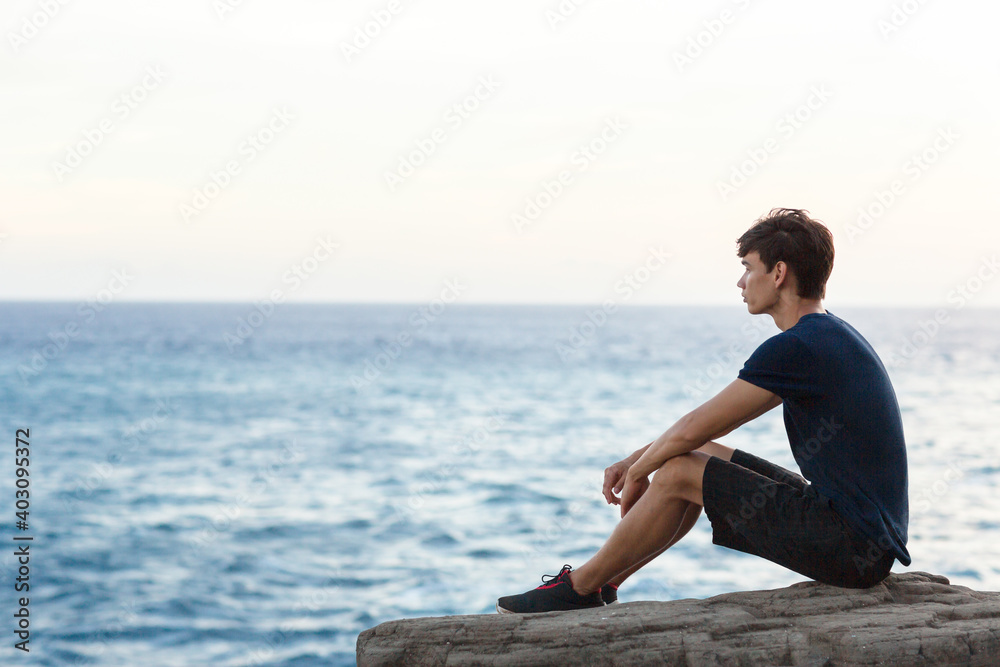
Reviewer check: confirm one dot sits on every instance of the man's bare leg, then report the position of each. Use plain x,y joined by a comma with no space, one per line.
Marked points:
713,448
649,525
691,515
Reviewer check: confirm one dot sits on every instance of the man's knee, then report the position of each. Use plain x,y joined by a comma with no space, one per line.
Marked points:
666,479
680,477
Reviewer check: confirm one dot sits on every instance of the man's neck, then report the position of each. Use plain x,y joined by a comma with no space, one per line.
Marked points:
787,313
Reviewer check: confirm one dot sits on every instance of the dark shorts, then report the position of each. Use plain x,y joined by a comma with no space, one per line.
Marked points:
762,509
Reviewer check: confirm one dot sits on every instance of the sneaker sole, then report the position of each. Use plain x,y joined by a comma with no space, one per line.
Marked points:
501,610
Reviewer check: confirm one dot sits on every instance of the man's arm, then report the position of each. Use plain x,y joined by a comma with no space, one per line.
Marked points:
634,456
770,405
732,407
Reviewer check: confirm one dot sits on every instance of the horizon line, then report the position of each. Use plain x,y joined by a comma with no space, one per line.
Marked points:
584,304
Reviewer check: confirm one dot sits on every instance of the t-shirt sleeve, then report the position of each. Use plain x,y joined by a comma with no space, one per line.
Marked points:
784,366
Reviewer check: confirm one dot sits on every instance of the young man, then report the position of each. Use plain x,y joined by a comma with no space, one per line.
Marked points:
843,521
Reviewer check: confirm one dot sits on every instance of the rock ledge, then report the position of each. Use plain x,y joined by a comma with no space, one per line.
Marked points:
913,618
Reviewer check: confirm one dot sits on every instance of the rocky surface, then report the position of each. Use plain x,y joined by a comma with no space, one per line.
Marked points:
909,619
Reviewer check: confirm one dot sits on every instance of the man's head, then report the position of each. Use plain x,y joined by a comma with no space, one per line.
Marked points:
785,248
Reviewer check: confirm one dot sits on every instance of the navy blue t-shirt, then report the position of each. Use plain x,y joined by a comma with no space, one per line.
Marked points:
843,422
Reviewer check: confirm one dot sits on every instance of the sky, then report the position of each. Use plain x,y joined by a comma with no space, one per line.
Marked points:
515,152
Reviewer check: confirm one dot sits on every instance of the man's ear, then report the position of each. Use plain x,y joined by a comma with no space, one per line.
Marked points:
780,274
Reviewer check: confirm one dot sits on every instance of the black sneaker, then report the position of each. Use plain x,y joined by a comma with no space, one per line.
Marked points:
555,594
609,593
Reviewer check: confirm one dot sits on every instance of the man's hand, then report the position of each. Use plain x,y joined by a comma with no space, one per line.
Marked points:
614,475
633,489
614,480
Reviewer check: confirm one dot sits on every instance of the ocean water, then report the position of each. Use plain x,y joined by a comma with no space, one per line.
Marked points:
215,486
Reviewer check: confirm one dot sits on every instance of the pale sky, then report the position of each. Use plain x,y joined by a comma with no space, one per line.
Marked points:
118,114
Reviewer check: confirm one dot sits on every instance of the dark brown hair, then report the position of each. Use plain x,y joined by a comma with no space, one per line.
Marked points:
789,235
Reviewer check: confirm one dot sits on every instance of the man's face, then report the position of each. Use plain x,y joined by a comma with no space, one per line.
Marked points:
757,285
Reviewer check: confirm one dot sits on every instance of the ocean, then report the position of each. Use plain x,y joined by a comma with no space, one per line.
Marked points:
232,484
